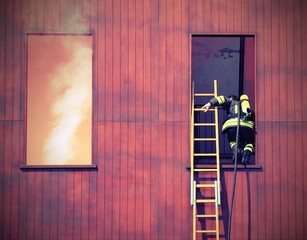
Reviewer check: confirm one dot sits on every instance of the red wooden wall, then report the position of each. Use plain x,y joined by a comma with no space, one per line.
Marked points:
141,121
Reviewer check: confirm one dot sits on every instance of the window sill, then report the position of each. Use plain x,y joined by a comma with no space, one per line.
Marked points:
58,166
240,167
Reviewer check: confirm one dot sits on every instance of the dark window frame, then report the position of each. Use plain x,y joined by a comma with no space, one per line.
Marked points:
226,158
93,165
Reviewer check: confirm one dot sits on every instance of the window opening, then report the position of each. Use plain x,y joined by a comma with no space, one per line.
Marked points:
230,59
59,99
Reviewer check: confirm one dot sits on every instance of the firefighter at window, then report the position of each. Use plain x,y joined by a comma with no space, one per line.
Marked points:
246,129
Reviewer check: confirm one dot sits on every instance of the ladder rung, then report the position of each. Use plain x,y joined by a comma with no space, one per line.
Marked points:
204,139
199,109
206,216
205,185
204,124
206,231
205,169
205,200
205,154
204,94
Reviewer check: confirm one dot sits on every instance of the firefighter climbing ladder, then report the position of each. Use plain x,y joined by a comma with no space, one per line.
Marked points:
197,184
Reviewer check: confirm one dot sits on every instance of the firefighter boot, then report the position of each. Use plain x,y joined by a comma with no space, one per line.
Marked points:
246,157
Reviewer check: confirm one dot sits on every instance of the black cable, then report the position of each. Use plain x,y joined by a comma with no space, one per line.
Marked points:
234,173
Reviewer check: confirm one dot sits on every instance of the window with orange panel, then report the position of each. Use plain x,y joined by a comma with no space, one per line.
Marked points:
59,99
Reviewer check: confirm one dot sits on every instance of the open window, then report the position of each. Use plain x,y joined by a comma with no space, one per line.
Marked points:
230,59
59,100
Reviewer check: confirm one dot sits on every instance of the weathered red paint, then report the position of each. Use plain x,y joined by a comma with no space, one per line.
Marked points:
140,189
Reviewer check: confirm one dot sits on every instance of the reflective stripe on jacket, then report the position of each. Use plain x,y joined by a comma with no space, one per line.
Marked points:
231,108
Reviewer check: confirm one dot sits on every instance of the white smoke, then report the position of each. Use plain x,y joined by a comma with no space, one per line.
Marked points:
71,88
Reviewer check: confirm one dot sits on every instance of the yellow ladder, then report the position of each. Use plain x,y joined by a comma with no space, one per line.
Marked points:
202,184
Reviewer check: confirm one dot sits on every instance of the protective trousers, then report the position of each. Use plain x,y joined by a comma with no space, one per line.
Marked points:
246,141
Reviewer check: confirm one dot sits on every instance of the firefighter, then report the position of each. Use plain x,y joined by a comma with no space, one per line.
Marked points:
246,130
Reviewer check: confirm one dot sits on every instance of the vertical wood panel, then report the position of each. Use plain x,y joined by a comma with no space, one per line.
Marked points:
154,173
9,61
177,58
124,158
199,15
101,183
54,206
192,16
7,175
55,15
87,8
48,12
2,58
132,207
304,61
31,14
74,203
178,212
154,37
186,230
304,152
14,226
18,32
93,206
222,11
237,16
108,200
100,57
85,204
285,204
291,137
62,183
207,6
30,204
261,203
46,205
215,16
139,179
139,60
269,162
170,181
23,183
2,147
230,16
115,180
185,72
40,15
69,207
116,74
109,61
299,180
170,82
146,198
147,16
298,106
162,180
132,60
162,70
245,16
124,60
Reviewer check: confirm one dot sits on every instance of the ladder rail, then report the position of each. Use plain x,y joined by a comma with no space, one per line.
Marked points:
217,145
192,201
194,185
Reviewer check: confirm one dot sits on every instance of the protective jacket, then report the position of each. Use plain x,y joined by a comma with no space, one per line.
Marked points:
230,105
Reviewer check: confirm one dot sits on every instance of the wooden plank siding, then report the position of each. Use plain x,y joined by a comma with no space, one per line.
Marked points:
141,116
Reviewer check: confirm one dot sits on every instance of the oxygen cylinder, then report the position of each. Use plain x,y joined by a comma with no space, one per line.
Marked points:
245,106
